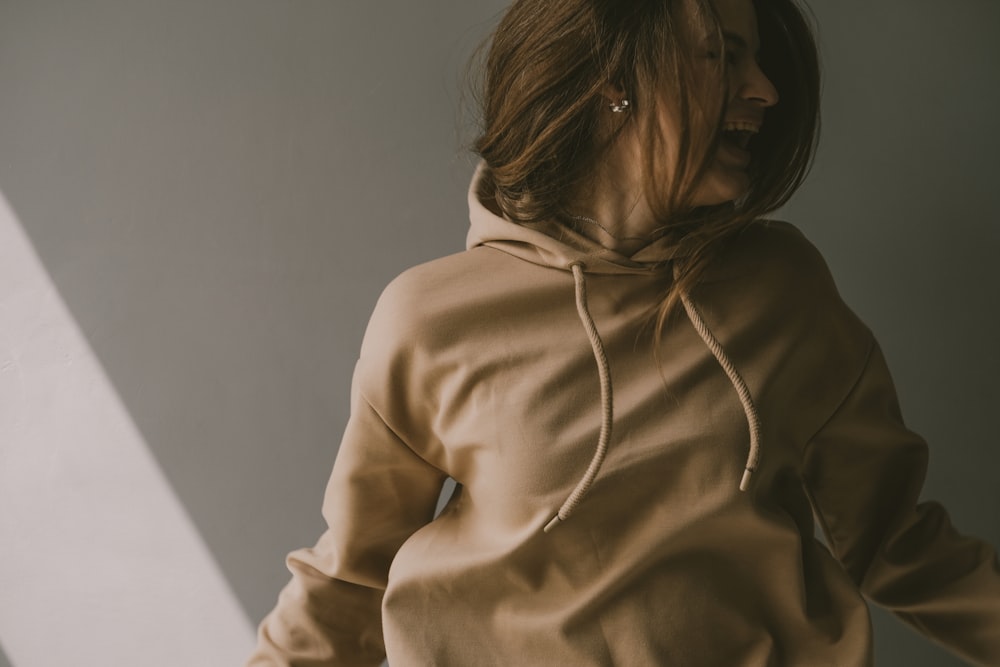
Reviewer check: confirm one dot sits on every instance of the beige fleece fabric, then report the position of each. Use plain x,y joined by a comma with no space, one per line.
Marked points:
476,366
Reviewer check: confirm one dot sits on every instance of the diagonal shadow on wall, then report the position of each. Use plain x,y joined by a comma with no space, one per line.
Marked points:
96,548
193,214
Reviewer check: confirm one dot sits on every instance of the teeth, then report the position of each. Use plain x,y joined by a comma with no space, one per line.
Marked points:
740,132
740,126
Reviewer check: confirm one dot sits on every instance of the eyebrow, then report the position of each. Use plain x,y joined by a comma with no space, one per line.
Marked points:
739,41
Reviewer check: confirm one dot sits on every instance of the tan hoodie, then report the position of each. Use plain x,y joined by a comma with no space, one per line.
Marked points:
530,381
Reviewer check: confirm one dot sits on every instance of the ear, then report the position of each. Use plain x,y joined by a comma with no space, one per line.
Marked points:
613,93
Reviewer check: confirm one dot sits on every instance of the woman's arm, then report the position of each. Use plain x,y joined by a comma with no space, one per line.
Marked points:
379,493
864,471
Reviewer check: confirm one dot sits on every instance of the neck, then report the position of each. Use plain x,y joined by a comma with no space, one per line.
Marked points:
611,207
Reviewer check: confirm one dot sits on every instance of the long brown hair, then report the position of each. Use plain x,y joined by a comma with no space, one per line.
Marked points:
541,104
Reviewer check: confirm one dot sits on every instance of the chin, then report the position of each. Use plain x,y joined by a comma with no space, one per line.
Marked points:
720,191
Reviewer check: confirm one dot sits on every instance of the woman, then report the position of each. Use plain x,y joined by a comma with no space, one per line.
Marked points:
643,388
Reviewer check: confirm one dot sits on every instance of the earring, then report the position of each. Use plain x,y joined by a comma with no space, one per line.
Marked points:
619,107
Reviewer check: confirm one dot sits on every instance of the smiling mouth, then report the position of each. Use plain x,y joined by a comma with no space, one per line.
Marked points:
739,133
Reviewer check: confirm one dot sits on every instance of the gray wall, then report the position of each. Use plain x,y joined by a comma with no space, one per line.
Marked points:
218,191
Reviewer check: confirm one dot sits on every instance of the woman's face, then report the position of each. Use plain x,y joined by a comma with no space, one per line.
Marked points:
750,94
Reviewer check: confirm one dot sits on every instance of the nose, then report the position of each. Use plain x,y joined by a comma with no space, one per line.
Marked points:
754,86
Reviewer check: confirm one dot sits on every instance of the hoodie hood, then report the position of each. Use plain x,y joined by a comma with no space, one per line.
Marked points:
551,244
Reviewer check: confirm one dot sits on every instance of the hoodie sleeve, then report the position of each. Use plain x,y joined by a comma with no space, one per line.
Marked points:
864,471
379,493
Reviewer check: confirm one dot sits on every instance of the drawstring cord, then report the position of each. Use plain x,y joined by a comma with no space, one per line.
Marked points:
753,418
607,419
